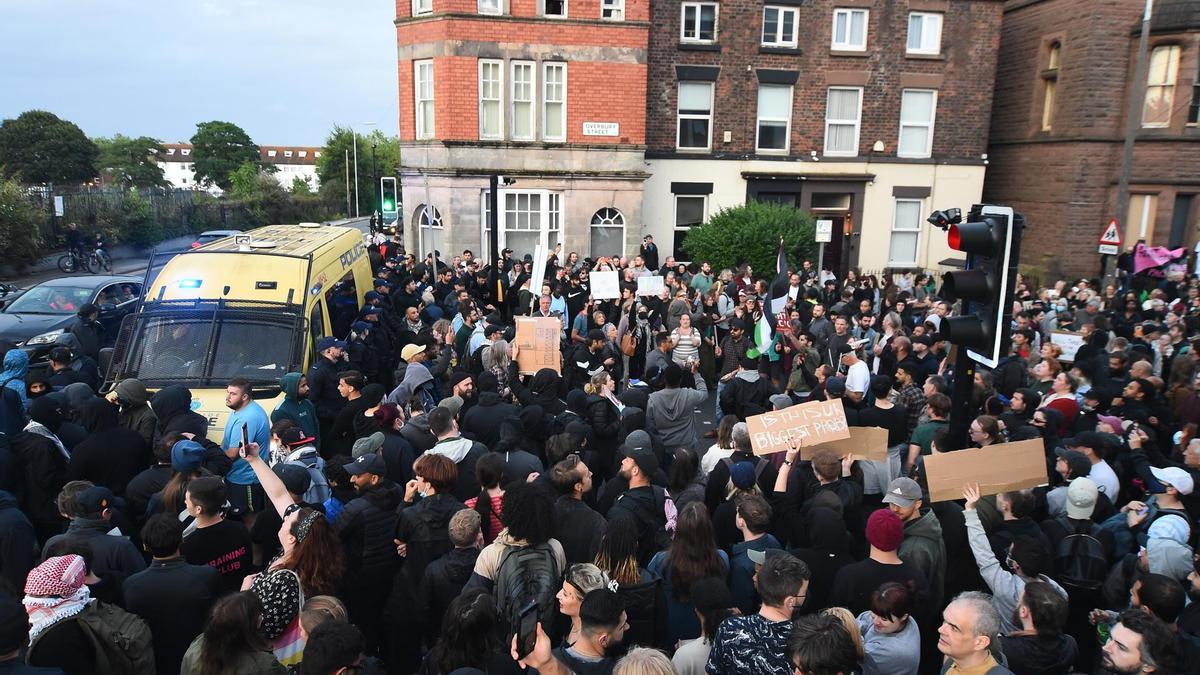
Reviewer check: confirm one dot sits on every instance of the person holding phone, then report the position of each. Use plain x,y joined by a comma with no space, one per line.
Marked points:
247,425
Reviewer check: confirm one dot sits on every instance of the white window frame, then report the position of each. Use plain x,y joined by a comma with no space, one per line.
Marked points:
699,7
548,66
849,13
675,221
857,124
612,10
1169,83
787,129
928,151
928,46
271,153
612,218
554,16
423,129
777,39
680,116
498,101
490,7
550,219
913,230
532,101
420,7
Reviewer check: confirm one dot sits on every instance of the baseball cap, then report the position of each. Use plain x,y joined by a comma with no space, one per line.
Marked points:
409,351
370,463
360,326
367,446
294,477
95,499
903,492
295,436
780,401
1077,462
187,455
1087,439
835,385
329,341
643,456
1081,498
1175,477
742,475
452,403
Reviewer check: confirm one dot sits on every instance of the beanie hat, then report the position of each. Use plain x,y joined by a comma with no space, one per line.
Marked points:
187,455
59,576
885,530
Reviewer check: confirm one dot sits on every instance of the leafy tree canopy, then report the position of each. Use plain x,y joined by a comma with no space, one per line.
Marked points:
132,162
219,149
331,165
749,233
39,147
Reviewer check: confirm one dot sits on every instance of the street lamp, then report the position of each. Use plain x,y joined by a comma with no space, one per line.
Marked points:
354,133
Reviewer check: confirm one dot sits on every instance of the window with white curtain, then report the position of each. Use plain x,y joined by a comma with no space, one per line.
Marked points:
423,90
1160,86
523,91
924,33
906,232
843,114
774,116
779,26
554,101
695,115
491,99
849,30
608,232
917,110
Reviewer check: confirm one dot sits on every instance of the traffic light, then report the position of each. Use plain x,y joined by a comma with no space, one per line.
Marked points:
387,191
991,238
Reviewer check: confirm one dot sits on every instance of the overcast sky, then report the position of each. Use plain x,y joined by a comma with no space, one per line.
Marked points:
285,71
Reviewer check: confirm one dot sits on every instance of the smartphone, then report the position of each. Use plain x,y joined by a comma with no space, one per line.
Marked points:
527,629
245,440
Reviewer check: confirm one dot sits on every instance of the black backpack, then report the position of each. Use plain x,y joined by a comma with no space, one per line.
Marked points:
1080,562
527,573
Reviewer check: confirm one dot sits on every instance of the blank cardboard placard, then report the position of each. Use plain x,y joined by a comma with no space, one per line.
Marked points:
997,468
810,423
605,285
649,284
1070,343
864,443
538,341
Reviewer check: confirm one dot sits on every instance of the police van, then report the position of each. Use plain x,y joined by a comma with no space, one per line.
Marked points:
253,306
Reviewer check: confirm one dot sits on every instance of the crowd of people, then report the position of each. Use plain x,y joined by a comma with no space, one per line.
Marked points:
416,503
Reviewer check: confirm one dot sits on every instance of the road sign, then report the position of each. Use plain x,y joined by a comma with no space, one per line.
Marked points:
1110,239
824,233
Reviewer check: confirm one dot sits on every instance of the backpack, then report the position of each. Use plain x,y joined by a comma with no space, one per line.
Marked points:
1080,561
759,467
121,639
318,490
527,573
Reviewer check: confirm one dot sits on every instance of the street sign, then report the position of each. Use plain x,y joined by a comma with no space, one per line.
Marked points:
824,233
1110,239
58,205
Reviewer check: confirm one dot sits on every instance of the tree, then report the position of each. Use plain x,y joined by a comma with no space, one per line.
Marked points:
39,147
301,185
219,149
331,165
20,224
244,181
749,233
132,162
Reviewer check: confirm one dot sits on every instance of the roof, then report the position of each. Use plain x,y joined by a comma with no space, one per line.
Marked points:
283,154
290,240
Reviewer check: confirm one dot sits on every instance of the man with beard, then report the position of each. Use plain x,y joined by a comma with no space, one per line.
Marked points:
757,644
1139,643
365,527
1040,646
246,496
603,624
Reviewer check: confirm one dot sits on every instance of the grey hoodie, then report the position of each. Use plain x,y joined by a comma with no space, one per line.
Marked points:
671,412
1007,587
1169,557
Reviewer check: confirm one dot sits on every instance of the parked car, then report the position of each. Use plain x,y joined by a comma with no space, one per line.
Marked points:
40,314
213,235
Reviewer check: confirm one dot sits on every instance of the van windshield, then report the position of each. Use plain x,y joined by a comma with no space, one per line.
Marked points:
209,348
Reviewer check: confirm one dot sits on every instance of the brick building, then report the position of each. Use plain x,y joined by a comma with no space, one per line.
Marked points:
550,93
869,113
1062,98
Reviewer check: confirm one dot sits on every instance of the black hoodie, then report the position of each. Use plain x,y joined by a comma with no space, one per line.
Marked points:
544,389
482,422
173,406
110,455
365,526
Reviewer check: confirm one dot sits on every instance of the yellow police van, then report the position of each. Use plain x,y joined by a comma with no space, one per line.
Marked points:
252,305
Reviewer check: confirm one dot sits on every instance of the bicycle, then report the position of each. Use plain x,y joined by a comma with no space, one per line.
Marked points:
97,260
72,261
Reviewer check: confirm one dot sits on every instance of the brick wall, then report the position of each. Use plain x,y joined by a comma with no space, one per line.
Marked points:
970,39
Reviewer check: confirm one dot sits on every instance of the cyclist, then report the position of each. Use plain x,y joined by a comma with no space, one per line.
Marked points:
74,240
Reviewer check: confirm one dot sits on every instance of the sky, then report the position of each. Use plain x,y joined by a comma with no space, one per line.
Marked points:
285,71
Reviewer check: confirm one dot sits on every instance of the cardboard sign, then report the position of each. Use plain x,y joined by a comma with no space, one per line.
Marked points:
649,284
810,423
605,286
1070,343
864,443
997,468
537,340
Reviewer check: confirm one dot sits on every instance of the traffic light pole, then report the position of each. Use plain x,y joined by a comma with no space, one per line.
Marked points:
960,405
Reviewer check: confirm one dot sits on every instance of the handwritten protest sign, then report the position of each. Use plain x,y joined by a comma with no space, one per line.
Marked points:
1070,343
538,340
810,423
997,468
605,286
649,284
864,443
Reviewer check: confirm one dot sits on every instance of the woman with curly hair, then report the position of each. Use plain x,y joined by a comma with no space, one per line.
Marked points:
310,563
232,641
692,555
470,637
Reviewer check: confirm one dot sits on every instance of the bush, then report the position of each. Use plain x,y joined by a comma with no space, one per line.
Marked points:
139,226
20,225
749,233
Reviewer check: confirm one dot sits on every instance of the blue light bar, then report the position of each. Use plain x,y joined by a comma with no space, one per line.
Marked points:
189,283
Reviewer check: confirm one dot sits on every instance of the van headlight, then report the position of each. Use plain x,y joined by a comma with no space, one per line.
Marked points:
44,338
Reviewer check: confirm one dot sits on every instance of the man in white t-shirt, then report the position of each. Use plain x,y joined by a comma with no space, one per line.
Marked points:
858,375
1093,445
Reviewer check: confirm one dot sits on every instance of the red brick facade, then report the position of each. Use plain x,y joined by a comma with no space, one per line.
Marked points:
1064,178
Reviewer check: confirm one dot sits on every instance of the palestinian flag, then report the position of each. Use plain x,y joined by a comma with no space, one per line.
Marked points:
761,337
778,289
